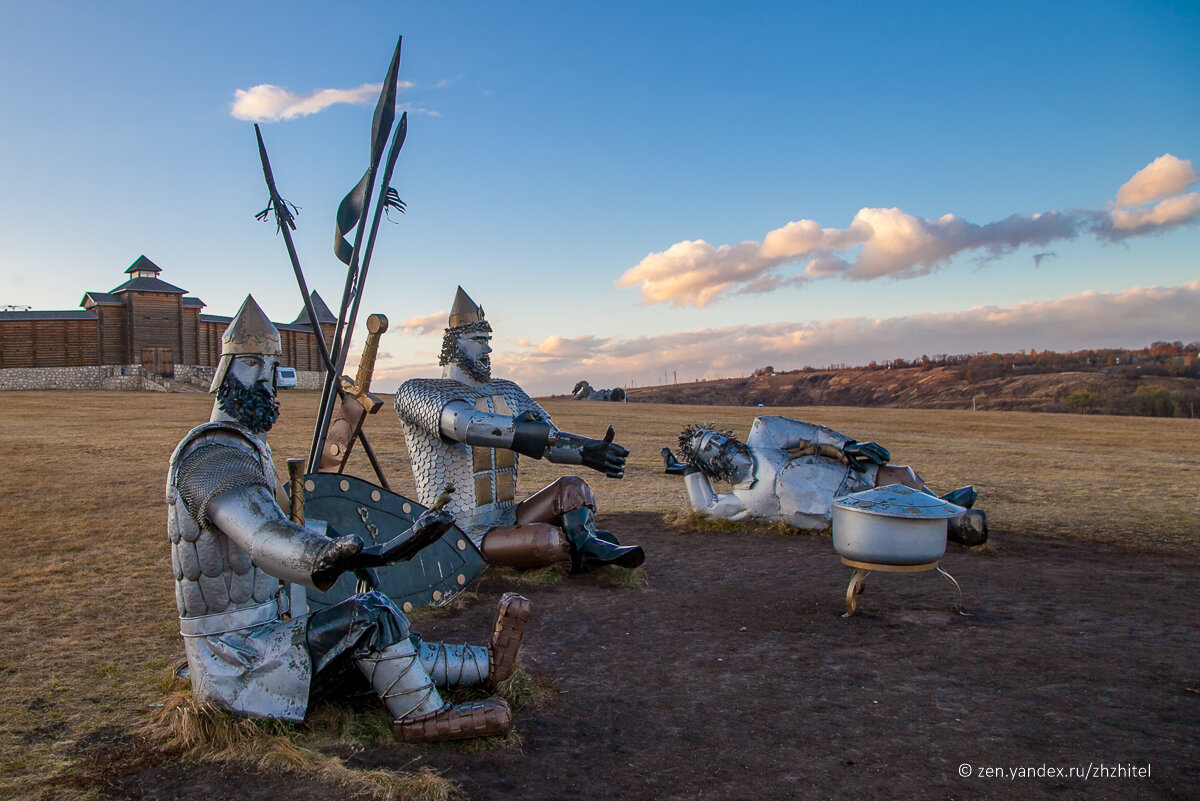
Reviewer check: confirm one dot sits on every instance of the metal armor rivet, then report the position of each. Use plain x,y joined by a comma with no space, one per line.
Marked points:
462,545
407,607
461,579
345,485
310,485
437,595
375,496
406,508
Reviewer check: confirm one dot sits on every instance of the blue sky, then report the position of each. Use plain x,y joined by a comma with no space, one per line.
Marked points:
580,168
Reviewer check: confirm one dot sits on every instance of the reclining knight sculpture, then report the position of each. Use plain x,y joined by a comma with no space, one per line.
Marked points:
791,471
233,549
468,429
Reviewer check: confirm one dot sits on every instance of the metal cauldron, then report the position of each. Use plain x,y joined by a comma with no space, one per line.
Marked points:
892,525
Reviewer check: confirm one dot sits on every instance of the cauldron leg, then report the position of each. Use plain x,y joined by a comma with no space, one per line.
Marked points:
857,580
958,607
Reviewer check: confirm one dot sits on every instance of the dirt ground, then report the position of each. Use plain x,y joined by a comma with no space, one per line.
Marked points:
733,675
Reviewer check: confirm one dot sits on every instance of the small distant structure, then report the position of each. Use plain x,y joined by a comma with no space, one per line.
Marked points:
583,391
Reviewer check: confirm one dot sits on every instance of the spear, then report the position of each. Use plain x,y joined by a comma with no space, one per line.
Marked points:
285,220
350,214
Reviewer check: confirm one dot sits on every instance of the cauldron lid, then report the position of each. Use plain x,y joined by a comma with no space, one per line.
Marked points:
897,500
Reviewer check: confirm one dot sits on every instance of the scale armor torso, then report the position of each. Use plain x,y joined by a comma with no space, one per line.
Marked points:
484,479
241,654
213,574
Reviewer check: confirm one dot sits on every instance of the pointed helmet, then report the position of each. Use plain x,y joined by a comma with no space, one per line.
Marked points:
464,311
250,332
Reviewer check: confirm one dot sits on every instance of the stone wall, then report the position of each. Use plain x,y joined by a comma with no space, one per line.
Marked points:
126,377
121,377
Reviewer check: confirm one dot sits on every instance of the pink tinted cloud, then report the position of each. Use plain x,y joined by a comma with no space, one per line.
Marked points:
424,324
1167,175
892,243
1132,317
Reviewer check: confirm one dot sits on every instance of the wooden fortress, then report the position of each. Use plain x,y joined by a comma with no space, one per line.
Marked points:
144,321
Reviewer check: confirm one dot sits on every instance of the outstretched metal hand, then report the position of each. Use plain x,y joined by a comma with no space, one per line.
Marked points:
605,456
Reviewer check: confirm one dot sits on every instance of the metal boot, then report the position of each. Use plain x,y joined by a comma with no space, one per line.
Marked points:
589,551
506,637
419,715
474,719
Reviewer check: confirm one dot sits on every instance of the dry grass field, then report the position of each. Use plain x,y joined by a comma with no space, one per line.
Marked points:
88,629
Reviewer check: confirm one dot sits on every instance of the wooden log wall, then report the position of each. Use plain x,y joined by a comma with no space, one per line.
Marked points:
48,343
114,342
155,322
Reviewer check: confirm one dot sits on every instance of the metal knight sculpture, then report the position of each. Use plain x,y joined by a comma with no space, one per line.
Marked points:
791,471
233,548
469,429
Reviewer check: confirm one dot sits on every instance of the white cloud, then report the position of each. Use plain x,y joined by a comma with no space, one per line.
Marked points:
427,324
1130,318
1165,176
1169,213
893,243
269,103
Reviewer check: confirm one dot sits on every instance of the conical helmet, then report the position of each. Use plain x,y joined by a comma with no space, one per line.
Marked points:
464,311
250,332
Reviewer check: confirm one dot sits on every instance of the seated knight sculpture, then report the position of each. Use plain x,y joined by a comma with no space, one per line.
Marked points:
233,549
469,430
790,471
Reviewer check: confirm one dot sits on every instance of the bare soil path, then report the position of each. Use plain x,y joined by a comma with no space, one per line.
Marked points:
734,676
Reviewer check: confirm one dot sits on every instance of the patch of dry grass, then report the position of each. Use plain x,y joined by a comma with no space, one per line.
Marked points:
87,613
191,730
686,520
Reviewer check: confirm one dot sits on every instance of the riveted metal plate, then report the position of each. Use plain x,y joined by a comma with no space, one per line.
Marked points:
432,576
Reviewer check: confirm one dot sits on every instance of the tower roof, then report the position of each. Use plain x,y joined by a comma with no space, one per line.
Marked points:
142,263
324,315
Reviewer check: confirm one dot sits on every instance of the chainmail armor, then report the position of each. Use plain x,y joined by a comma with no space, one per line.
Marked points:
212,469
437,461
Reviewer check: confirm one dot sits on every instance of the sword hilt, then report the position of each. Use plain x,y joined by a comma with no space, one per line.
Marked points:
360,389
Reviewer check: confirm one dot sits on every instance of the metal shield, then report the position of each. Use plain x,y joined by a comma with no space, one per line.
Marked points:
353,506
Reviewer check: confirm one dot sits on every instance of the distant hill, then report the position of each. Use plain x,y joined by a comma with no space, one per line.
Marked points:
1129,390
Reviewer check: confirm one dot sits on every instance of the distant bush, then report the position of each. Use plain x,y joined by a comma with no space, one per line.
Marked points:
1083,402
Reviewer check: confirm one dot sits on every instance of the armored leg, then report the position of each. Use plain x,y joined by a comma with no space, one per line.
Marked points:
419,714
522,546
458,665
397,676
454,665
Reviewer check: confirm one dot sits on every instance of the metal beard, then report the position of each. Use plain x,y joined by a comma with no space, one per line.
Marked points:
254,407
479,369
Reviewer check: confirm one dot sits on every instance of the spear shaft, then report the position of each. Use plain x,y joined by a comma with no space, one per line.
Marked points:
381,128
285,224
